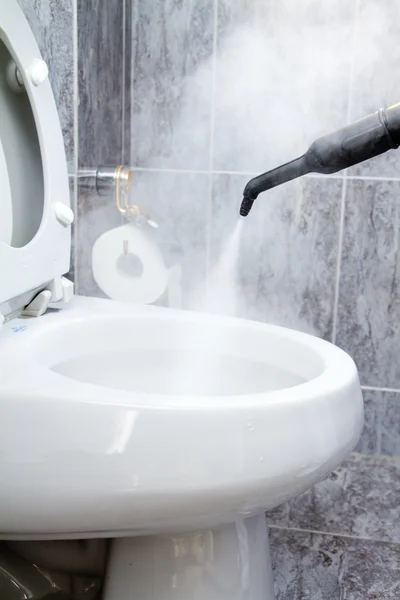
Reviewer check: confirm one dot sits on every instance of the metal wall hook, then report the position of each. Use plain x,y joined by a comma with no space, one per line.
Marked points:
118,180
107,177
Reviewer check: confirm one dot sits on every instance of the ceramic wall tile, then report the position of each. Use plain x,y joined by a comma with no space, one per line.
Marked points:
282,79
381,433
369,442
288,253
369,299
359,498
377,56
96,215
320,567
178,202
52,24
390,424
101,82
172,83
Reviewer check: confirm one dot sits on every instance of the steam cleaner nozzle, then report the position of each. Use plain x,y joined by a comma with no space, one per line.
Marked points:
246,206
360,141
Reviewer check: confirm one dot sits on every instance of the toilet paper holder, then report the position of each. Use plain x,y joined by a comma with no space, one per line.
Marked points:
118,180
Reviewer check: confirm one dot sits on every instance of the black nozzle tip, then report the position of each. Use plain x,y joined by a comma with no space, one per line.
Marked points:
246,206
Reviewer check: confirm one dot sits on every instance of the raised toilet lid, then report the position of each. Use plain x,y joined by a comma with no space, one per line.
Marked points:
35,214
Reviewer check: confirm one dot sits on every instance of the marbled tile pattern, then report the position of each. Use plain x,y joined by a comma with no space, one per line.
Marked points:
52,24
288,253
283,76
322,567
370,439
101,85
172,71
390,424
178,202
376,58
359,498
369,301
381,433
96,215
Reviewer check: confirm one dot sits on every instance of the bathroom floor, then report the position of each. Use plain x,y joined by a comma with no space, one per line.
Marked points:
341,539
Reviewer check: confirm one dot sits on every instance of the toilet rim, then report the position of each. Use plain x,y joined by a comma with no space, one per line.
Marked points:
338,377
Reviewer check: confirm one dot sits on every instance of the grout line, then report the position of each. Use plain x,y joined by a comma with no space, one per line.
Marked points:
377,457
348,536
369,178
371,388
76,138
212,135
167,170
253,174
123,86
339,261
345,186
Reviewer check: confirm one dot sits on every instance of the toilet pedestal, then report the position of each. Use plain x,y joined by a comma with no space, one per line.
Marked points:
231,562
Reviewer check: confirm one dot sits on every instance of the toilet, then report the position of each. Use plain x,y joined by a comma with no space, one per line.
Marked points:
169,432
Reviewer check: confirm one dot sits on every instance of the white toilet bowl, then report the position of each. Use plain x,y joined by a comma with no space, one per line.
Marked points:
120,421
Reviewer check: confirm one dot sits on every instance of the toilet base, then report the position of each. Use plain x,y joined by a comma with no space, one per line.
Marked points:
228,563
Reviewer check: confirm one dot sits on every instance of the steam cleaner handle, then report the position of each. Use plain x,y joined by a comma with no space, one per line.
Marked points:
355,143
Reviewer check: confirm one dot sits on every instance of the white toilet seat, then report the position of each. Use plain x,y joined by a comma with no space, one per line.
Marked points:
40,188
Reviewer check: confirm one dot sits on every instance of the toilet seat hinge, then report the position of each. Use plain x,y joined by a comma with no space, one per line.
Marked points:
38,306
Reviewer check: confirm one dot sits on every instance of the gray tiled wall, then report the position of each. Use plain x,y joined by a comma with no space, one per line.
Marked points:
282,77
52,22
368,324
101,80
341,539
313,566
104,73
172,41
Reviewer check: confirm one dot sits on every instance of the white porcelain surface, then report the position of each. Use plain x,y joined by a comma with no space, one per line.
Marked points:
115,420
228,563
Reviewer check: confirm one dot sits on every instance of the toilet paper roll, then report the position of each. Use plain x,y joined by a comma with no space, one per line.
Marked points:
128,265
